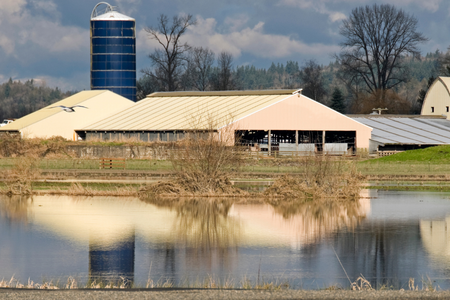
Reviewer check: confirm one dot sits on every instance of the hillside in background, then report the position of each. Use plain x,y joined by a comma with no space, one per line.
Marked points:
18,99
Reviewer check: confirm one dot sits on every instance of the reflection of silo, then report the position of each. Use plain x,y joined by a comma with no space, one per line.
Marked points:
109,264
113,52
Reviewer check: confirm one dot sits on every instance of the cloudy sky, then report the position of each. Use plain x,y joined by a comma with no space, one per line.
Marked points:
48,40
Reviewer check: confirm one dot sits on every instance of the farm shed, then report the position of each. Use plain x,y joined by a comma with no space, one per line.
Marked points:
437,99
394,133
53,121
271,120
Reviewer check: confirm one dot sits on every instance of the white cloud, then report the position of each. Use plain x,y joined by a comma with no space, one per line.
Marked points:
128,7
20,26
237,22
11,7
323,6
250,40
319,6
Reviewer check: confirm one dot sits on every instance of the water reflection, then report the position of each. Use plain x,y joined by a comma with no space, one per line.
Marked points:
436,239
297,224
109,264
14,208
204,230
388,239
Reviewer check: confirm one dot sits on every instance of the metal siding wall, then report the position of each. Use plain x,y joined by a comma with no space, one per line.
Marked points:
154,136
113,57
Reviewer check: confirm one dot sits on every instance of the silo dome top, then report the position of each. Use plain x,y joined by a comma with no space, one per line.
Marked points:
108,13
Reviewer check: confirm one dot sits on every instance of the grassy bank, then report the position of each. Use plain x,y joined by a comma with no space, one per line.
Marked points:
429,161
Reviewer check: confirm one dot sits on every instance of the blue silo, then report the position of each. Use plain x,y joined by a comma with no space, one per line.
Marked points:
113,51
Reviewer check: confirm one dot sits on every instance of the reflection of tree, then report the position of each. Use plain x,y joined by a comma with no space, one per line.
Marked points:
314,219
204,229
385,253
15,208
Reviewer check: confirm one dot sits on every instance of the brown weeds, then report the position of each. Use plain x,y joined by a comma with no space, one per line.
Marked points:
77,189
15,146
321,177
20,178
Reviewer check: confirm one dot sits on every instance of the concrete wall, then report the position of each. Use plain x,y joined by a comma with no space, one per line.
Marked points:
149,152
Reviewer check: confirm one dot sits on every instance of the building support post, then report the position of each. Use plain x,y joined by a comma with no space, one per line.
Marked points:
269,139
296,141
323,142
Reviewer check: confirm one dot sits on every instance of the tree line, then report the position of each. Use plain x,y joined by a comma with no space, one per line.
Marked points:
379,66
18,99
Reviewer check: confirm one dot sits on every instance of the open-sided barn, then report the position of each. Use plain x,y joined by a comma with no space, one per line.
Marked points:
283,120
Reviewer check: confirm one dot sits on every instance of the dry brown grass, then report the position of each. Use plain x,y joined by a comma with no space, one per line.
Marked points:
177,187
321,177
15,146
203,162
77,189
14,283
20,178
361,284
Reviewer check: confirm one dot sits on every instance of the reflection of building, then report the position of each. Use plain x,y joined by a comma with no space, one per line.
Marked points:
436,239
186,238
297,225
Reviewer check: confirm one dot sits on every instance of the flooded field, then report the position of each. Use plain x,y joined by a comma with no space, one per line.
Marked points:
388,237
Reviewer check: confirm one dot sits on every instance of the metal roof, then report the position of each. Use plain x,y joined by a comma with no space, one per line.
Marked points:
407,129
46,112
112,16
189,110
108,13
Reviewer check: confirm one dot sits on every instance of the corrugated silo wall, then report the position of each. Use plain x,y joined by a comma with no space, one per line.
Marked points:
113,57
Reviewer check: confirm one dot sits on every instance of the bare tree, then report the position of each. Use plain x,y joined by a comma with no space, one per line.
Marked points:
201,63
223,80
312,79
376,39
145,86
169,62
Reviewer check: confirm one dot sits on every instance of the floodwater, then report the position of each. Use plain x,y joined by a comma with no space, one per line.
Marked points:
388,237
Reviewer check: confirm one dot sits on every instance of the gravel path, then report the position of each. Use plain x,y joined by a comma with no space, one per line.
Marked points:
217,294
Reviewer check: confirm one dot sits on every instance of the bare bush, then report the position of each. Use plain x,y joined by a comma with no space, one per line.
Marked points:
20,178
321,177
15,146
203,161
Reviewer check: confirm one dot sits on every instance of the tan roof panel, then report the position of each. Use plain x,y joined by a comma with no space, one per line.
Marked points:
222,93
45,112
189,110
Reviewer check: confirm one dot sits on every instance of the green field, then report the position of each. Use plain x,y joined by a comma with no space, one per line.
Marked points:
429,161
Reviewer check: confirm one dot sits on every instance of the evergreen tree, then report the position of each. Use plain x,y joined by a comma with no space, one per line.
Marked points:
337,101
423,92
